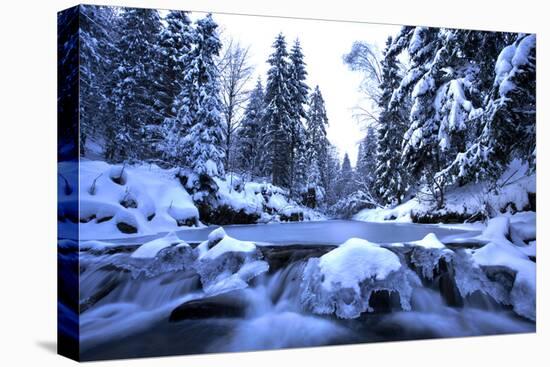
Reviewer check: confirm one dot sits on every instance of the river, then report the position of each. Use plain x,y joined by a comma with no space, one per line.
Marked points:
166,312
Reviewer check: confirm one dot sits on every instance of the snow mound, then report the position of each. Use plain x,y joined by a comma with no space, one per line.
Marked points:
523,294
429,242
343,280
124,200
523,228
400,213
354,261
219,244
268,202
501,253
216,235
427,255
225,263
152,248
498,229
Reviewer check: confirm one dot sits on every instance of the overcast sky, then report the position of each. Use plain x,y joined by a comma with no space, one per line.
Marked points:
323,43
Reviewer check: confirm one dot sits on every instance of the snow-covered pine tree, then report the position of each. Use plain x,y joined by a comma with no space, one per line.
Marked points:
300,168
441,83
299,92
511,113
278,115
97,48
508,125
390,180
330,175
313,193
204,141
249,135
346,184
366,160
177,91
134,94
316,149
175,43
420,145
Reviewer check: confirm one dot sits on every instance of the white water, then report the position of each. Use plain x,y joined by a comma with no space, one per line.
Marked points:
131,319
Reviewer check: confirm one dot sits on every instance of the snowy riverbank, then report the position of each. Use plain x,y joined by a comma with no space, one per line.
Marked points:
121,201
514,192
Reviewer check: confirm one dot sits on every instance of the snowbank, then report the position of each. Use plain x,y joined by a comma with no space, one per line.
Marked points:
122,200
467,203
134,200
268,202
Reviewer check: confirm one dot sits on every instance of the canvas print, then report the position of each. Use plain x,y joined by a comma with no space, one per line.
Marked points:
235,183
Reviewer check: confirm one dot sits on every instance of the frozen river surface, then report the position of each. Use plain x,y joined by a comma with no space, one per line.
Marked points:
328,232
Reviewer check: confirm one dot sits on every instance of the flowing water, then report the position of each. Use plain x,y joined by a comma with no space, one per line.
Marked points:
129,309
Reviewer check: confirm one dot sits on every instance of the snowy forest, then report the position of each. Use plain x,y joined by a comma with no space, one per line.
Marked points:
195,110
429,231
165,90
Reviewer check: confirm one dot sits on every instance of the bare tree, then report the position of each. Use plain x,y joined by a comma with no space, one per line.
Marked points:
235,76
365,58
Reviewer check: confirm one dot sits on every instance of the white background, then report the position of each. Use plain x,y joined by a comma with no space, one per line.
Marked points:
28,183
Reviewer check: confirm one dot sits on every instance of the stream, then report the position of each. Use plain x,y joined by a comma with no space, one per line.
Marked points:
148,307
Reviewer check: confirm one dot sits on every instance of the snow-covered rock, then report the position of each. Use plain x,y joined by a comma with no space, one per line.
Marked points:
498,229
427,254
343,280
225,263
429,242
354,261
223,244
523,294
152,248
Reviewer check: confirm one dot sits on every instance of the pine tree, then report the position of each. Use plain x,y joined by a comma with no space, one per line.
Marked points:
366,159
250,133
177,93
331,175
390,181
420,151
134,94
346,178
508,124
97,50
175,45
204,142
441,83
317,147
278,115
299,92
